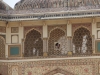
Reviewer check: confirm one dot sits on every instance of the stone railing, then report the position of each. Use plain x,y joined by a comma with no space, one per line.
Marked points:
42,57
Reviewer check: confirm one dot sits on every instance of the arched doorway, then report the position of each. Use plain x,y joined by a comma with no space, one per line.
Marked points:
57,43
2,47
33,45
82,41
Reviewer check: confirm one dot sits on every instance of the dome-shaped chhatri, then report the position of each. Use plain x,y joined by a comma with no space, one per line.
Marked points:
34,4
4,6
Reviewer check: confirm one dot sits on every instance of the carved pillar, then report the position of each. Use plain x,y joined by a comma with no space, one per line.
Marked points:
69,37
69,45
93,44
69,29
94,28
45,39
45,47
94,34
23,47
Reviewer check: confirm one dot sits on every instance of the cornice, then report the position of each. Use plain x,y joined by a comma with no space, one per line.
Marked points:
50,15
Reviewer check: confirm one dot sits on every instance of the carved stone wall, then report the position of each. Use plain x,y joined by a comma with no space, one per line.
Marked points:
48,67
3,69
2,29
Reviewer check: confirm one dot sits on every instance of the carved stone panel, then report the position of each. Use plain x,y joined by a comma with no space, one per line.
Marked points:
2,29
14,29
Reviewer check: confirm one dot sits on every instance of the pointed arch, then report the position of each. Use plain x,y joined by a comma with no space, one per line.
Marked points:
57,28
33,44
58,70
31,30
57,36
82,41
82,27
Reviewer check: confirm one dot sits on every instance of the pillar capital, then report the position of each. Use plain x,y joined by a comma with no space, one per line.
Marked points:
68,22
93,20
7,24
45,38
44,23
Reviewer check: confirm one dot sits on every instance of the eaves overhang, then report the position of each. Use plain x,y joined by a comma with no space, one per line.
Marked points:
51,15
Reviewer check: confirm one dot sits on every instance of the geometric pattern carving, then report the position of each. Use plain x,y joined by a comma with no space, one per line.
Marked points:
57,44
82,41
14,70
64,27
3,70
14,29
57,71
25,5
2,29
38,28
77,67
33,45
3,36
98,24
86,25
2,47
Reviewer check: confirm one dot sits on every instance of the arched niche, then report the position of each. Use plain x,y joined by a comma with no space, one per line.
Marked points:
82,41
33,44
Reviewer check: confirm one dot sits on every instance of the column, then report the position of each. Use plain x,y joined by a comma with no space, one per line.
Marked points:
94,35
8,40
45,47
94,30
45,40
69,45
93,44
69,37
21,29
69,29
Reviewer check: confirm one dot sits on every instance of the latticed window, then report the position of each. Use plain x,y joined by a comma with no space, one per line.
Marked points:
33,45
2,47
57,44
82,41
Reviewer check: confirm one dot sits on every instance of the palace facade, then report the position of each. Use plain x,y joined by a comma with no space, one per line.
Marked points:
50,37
